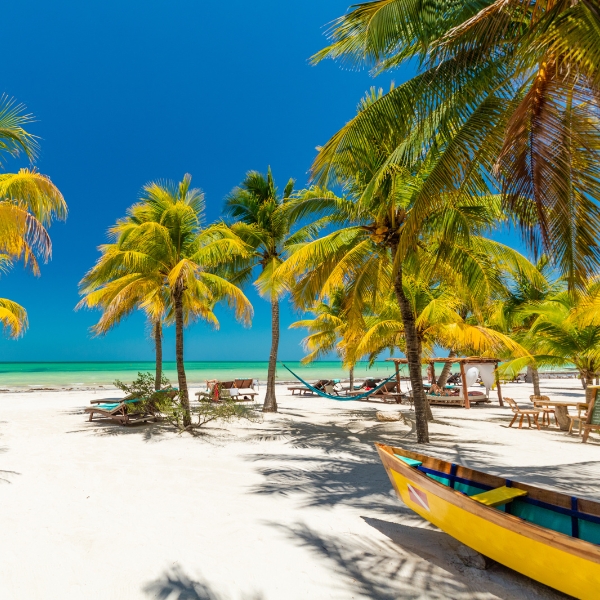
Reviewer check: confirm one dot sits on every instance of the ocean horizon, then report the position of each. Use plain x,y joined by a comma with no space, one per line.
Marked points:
104,373
94,373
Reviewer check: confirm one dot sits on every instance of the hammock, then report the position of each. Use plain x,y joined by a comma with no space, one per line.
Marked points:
339,398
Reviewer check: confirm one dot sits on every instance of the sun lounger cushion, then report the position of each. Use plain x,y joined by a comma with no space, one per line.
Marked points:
499,496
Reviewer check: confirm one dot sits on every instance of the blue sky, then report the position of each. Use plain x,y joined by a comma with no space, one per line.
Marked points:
128,92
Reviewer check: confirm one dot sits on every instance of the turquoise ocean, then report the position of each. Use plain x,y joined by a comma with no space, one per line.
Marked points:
50,374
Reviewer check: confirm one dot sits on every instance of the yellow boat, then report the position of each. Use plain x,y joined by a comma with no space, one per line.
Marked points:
551,537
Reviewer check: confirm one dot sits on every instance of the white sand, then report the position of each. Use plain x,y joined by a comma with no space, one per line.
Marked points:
297,506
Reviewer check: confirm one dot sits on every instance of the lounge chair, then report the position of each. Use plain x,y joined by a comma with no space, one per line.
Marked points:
229,390
519,412
388,392
547,411
302,389
245,389
122,412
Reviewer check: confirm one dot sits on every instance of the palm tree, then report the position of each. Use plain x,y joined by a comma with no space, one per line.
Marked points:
120,296
508,316
521,80
163,247
260,218
29,202
396,218
440,321
558,336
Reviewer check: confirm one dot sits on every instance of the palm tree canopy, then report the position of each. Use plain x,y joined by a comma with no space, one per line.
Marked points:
162,248
13,318
260,217
518,81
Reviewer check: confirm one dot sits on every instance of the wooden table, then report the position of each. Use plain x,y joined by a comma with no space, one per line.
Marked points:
560,410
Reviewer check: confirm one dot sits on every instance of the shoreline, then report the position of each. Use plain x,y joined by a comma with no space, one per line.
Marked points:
201,383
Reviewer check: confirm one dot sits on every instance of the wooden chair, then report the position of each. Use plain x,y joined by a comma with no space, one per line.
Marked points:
592,421
519,412
578,420
121,412
547,411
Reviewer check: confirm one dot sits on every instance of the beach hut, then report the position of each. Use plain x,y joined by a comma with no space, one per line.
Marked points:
487,369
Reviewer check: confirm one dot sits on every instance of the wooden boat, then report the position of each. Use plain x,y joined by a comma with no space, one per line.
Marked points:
551,537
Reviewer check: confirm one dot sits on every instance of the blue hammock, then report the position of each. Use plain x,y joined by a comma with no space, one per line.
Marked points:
339,398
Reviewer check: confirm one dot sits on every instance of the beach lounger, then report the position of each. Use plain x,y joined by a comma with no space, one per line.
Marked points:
229,390
245,389
302,389
122,412
387,393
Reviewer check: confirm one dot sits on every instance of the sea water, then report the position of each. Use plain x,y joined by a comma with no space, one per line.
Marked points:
65,374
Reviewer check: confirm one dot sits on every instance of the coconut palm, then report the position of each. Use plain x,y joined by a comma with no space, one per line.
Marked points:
29,202
506,313
437,308
260,217
120,296
521,80
162,247
390,215
370,256
559,338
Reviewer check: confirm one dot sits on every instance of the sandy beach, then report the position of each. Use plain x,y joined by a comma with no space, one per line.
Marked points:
295,506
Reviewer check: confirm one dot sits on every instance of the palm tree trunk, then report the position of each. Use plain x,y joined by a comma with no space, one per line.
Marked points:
446,370
158,348
351,378
413,356
534,375
183,389
270,404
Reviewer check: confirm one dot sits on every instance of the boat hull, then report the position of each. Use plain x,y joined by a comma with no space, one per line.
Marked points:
554,559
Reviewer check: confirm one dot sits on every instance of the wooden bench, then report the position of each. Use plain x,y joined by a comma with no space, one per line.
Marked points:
498,496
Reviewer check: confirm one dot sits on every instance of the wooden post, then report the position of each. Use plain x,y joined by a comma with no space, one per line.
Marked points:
463,376
397,375
433,377
500,401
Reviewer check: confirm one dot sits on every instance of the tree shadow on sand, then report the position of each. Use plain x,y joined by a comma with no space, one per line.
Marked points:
418,560
176,585
413,563
346,468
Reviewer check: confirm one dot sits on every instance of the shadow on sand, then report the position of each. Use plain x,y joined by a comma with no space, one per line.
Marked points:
176,585
416,560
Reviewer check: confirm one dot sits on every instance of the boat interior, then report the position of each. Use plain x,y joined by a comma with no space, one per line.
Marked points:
575,517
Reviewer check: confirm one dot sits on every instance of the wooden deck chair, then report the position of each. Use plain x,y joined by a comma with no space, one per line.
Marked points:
302,389
519,412
547,411
122,412
592,422
389,392
245,389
